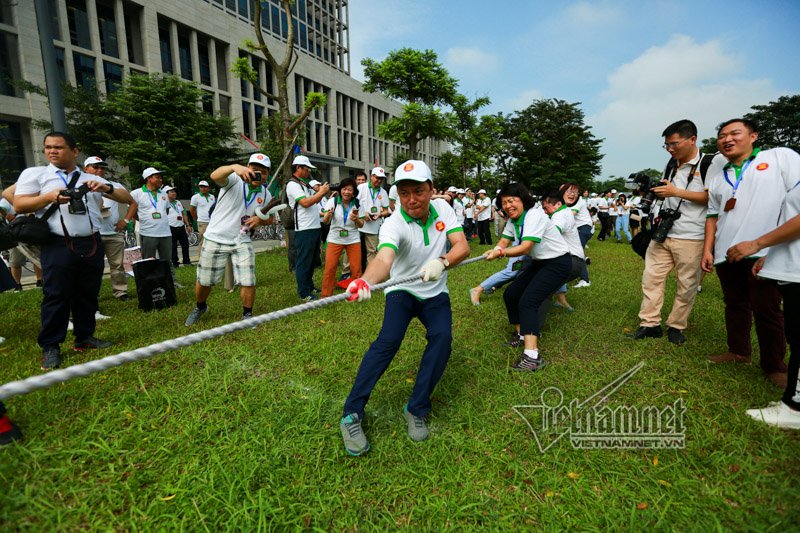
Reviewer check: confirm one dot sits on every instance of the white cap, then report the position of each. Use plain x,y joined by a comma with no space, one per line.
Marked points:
149,171
594,194
168,188
613,191
378,171
452,189
203,183
94,160
314,183
260,159
303,161
460,191
413,170
482,191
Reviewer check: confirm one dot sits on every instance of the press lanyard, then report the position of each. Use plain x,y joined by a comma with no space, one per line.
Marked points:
152,196
521,228
63,175
249,197
738,178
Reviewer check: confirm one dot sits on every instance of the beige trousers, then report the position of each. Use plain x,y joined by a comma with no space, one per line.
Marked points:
115,248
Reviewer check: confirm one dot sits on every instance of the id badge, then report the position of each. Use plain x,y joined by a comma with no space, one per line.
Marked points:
156,215
343,233
516,266
730,204
374,209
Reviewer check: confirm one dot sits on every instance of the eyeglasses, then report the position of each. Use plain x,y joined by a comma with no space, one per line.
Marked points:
673,145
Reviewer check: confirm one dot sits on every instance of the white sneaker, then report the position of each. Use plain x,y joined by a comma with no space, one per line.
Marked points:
99,316
581,284
777,414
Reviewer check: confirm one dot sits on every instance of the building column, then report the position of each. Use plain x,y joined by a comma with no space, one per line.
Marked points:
122,34
212,68
195,56
174,48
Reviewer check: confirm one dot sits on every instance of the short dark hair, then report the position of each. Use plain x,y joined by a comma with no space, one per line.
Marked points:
348,182
518,190
360,173
69,139
750,124
553,197
685,128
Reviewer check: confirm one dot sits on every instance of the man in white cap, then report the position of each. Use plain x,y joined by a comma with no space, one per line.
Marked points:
152,204
242,195
111,228
304,202
177,225
200,206
413,241
375,202
483,213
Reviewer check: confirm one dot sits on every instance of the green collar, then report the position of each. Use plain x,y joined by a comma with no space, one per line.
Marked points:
432,214
563,206
738,168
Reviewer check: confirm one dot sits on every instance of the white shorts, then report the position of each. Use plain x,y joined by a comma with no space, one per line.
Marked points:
213,257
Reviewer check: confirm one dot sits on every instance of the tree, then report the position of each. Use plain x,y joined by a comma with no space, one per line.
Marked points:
550,145
468,136
418,79
779,123
709,145
282,69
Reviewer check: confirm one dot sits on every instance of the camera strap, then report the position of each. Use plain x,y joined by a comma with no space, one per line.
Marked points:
67,239
672,170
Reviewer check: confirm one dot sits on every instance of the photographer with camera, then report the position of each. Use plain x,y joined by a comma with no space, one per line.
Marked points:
677,241
72,260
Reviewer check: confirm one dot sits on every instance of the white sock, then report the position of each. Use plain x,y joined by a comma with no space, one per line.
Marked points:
533,354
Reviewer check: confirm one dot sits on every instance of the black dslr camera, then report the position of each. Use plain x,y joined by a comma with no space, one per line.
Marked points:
645,184
76,203
663,223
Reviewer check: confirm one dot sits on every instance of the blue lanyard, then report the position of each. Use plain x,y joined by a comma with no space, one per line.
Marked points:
152,196
739,178
247,198
521,229
345,211
63,175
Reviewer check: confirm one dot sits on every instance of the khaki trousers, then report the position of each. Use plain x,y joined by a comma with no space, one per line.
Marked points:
683,256
115,249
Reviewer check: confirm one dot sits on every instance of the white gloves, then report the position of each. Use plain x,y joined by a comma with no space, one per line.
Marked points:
358,291
432,270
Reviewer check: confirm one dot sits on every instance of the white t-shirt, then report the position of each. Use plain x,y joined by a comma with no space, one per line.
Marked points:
458,207
783,259
6,206
486,203
176,214
468,209
202,204
40,180
581,212
393,195
764,182
415,245
372,202
534,225
110,214
343,230
565,222
601,204
152,212
237,202
304,217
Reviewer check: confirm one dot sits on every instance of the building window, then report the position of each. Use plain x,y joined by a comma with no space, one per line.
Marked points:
78,24
133,33
108,30
225,105
5,13
222,66
166,50
84,70
231,4
61,65
113,75
204,60
248,126
9,63
276,21
208,102
243,8
12,156
185,55
55,28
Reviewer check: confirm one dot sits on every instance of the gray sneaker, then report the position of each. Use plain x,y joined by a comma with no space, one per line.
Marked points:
51,358
195,315
355,442
417,429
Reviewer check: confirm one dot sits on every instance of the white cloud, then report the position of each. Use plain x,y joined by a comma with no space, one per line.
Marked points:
471,60
520,101
681,79
592,14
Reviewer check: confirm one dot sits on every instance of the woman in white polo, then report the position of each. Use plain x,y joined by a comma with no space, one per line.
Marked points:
344,215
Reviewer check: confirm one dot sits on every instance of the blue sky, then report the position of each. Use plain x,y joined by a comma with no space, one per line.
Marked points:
634,66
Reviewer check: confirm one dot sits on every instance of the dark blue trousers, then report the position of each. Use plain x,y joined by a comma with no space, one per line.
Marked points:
305,242
71,285
401,307
533,287
585,233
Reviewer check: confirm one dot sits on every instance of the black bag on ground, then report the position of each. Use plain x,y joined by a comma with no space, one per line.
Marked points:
154,286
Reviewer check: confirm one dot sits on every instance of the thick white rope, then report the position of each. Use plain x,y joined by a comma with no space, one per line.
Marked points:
44,381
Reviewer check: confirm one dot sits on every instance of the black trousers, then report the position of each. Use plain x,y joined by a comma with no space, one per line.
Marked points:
532,289
791,313
605,225
179,236
484,231
72,279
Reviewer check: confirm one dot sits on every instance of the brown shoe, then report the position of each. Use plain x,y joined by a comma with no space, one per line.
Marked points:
778,379
729,357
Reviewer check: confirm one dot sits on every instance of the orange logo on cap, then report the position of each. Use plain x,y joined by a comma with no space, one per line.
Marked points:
440,226
258,200
408,167
762,166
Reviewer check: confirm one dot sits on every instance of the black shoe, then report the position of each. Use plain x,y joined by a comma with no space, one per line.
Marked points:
123,298
676,336
10,435
90,344
40,283
588,261
18,288
646,331
51,358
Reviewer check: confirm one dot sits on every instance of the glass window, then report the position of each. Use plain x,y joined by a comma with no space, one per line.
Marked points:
284,25
5,13
12,156
231,4
108,30
113,75
55,28
222,67
133,34
60,64
276,21
225,105
205,62
78,23
208,102
166,50
243,8
185,56
256,92
303,37
248,126
84,70
259,113
9,63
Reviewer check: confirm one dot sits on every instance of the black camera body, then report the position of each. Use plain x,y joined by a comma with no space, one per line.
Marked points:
663,223
646,184
76,204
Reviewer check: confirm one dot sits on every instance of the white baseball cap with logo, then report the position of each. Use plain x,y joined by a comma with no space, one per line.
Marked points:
168,188
149,171
314,183
203,183
302,161
260,159
413,170
94,160
378,171
482,191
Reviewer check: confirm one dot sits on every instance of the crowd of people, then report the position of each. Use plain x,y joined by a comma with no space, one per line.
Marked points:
708,214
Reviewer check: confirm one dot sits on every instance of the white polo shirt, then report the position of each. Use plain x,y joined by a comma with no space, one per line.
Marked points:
581,212
237,202
565,222
372,202
110,214
202,204
534,225
783,259
40,180
415,244
304,217
458,207
176,214
393,195
486,203
152,212
343,230
765,178
468,210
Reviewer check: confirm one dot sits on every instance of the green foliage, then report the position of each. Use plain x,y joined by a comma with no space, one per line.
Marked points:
550,144
779,122
709,145
242,68
417,121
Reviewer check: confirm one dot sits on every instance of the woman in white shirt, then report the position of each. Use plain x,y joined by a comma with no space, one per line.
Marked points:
622,207
345,217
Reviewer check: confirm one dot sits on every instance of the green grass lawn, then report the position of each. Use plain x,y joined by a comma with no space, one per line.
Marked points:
241,432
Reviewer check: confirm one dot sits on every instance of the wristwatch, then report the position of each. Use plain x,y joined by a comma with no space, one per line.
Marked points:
110,188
